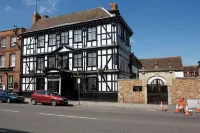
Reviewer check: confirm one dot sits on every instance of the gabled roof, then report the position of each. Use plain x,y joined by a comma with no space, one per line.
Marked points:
191,68
63,49
77,17
162,63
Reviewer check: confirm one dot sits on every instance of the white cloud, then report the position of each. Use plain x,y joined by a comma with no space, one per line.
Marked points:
7,8
43,6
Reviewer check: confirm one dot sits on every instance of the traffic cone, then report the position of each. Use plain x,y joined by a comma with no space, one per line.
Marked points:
198,109
177,109
187,113
161,106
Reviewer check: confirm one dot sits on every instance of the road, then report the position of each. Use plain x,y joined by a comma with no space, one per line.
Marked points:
26,118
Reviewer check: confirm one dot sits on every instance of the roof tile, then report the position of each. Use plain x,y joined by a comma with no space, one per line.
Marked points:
85,15
163,63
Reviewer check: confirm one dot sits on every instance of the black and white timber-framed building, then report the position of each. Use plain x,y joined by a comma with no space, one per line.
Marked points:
92,44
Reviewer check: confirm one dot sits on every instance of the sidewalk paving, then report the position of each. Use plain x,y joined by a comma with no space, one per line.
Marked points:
114,105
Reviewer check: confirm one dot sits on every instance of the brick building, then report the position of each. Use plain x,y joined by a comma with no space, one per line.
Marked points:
192,71
10,48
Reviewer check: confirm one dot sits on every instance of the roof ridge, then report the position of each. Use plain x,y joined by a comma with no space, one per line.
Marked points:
75,12
190,66
162,57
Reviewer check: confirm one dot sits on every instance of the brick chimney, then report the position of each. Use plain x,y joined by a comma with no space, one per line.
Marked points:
45,16
35,17
114,8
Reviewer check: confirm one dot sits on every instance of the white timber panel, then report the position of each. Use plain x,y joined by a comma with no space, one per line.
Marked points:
103,86
179,74
45,83
116,86
70,64
70,38
46,43
89,44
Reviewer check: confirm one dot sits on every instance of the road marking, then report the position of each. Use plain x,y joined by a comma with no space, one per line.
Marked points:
69,116
111,108
8,110
3,131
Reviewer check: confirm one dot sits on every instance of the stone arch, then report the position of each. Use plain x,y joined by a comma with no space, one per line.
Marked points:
150,80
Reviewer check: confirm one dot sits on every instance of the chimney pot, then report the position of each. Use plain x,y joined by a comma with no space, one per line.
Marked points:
45,16
113,6
35,17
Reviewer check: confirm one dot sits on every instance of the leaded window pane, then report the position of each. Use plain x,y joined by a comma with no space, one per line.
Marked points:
92,59
52,40
92,33
77,35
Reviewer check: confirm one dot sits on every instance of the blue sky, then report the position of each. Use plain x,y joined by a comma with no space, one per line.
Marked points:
162,28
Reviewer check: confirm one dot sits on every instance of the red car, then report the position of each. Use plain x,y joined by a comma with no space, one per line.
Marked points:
47,97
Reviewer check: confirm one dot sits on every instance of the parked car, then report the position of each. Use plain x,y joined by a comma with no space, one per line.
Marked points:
9,96
47,97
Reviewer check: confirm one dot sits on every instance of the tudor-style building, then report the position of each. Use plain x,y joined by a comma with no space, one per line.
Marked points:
92,44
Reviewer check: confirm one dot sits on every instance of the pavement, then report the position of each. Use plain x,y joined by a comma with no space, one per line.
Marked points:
113,105
27,118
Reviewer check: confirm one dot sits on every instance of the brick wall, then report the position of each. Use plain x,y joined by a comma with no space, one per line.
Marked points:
186,87
126,93
7,51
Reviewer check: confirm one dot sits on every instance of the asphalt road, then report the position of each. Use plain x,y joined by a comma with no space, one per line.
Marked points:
26,118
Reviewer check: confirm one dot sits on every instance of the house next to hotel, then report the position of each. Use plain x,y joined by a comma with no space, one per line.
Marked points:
93,45
10,50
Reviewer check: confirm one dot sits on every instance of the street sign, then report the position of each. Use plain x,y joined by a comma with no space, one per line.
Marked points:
78,80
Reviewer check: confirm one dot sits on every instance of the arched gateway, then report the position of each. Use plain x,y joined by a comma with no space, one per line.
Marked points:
157,90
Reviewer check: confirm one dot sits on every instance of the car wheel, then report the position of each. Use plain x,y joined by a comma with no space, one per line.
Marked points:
8,100
33,102
53,103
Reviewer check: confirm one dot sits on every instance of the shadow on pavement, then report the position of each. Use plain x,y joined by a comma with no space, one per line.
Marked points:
19,103
68,105
4,130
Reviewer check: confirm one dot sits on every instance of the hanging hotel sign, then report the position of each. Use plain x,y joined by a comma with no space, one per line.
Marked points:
53,75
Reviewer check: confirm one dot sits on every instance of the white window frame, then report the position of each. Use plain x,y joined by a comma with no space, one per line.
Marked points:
2,61
77,35
13,41
3,42
12,60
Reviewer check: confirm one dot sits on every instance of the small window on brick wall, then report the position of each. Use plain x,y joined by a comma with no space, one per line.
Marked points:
137,88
